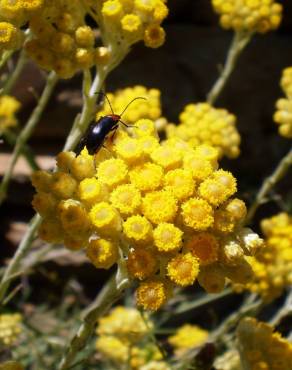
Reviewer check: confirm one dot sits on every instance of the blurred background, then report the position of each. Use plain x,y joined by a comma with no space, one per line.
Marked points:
184,69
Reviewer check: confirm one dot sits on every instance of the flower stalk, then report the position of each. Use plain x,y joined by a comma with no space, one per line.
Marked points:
12,77
269,183
110,293
239,42
27,131
12,268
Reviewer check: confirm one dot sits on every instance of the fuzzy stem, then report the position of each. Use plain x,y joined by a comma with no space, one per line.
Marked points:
27,131
269,183
12,78
284,311
5,57
240,40
26,151
14,263
110,293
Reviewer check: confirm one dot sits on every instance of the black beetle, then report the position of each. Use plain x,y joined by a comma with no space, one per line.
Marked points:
98,132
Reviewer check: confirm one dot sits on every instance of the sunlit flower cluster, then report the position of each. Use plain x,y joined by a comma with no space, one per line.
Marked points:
203,124
272,266
149,108
186,337
13,15
125,323
261,348
126,22
9,106
120,339
164,207
58,37
249,15
283,115
10,328
61,39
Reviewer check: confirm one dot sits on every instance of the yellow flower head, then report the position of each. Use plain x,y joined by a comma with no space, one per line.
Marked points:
10,328
204,246
212,278
272,263
214,128
146,177
138,229
183,269
262,348
102,253
154,36
124,323
283,115
141,263
152,294
197,214
140,112
105,218
126,198
249,15
9,106
186,337
167,237
159,206
92,191
112,172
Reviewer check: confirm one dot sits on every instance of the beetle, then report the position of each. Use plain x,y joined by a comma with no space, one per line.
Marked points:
98,132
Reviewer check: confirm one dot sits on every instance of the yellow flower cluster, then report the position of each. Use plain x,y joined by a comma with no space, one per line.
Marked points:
10,328
61,39
249,15
261,348
125,22
186,337
11,365
203,124
124,323
272,266
164,207
13,15
119,337
8,108
283,115
149,108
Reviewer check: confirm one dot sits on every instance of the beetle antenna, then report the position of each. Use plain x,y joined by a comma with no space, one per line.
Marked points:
138,97
109,103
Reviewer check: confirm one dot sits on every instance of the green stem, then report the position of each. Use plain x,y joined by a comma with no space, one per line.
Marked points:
5,57
239,42
14,263
12,77
205,299
27,131
26,151
110,293
268,184
87,114
284,311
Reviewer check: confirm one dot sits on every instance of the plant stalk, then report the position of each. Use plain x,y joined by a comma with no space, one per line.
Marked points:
27,131
12,78
268,184
239,42
110,293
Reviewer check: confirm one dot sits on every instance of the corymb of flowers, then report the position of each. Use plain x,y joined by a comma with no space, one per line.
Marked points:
164,209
